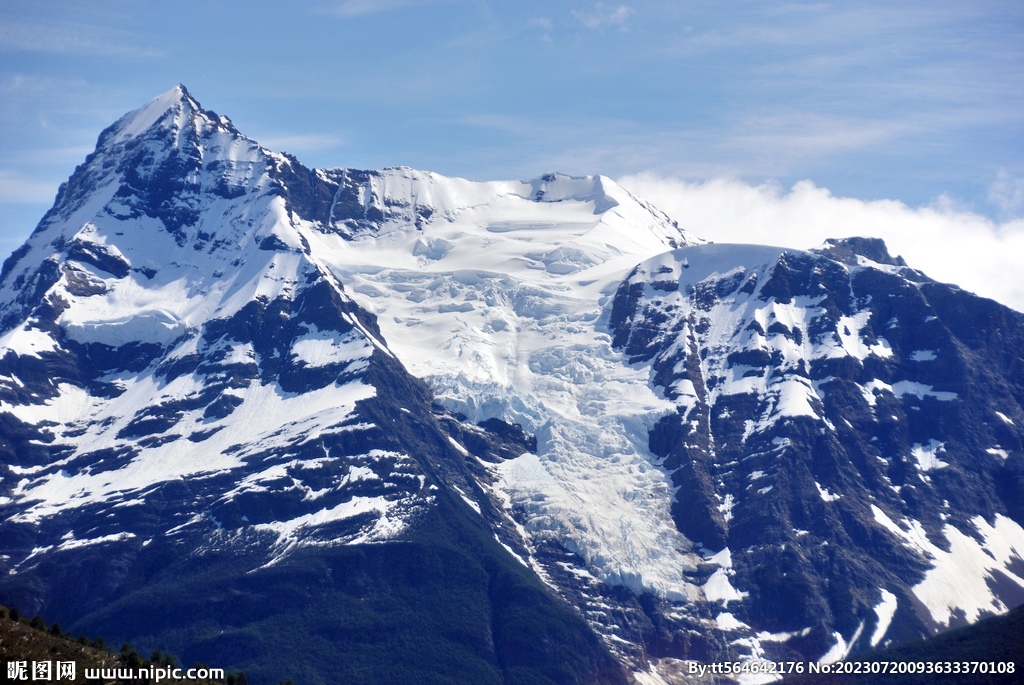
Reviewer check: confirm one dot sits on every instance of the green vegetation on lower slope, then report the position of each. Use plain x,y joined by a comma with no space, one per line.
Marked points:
447,606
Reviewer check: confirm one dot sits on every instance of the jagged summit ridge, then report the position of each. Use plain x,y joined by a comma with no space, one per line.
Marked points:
180,173
176,109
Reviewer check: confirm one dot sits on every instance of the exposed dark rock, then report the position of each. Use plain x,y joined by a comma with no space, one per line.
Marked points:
99,256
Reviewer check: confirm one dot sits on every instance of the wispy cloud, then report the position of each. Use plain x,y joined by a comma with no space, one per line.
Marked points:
778,142
812,28
1007,193
303,143
546,26
358,8
70,38
770,145
595,145
601,16
16,188
65,156
946,242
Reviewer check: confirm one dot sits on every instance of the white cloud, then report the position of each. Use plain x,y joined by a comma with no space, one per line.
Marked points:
947,243
602,16
1007,193
543,23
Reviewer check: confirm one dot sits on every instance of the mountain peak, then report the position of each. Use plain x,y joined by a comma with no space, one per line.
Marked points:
169,110
174,112
847,250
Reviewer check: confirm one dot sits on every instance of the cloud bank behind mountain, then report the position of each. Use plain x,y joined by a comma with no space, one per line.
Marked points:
947,242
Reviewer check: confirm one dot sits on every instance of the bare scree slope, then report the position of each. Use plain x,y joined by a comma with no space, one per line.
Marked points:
359,426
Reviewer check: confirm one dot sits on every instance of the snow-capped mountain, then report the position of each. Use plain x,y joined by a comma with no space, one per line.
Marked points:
532,417
847,428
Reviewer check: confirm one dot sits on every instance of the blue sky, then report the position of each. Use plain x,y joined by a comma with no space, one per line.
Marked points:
920,103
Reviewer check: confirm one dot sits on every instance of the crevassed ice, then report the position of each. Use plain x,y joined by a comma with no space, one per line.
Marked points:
502,307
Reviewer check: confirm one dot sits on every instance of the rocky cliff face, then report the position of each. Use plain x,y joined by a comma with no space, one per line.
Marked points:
398,426
849,429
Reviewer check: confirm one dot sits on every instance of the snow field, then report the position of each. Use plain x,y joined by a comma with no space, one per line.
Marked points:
885,610
958,580
257,423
